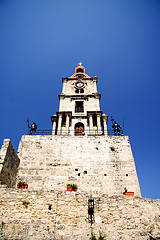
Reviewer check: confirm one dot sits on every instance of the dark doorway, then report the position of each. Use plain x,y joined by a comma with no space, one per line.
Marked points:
79,129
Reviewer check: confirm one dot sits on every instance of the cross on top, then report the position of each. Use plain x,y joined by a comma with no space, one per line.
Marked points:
80,63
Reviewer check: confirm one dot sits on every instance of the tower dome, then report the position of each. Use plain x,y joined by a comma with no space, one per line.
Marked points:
80,72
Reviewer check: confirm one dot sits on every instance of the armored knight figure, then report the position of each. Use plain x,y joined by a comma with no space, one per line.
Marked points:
117,128
33,128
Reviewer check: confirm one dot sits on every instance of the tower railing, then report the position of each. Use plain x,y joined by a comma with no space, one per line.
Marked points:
109,132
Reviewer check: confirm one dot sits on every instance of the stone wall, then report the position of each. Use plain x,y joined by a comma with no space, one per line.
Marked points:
103,164
92,104
119,217
9,163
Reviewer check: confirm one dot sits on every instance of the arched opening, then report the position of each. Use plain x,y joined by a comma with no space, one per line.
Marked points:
79,129
80,70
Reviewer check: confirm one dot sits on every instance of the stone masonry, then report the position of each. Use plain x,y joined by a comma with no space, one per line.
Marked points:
119,217
97,164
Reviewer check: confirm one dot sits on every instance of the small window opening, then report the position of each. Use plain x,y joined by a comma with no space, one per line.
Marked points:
85,172
76,169
79,106
79,174
82,91
77,91
127,175
105,174
63,120
50,207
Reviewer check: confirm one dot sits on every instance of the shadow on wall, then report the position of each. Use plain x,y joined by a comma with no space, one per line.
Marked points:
9,163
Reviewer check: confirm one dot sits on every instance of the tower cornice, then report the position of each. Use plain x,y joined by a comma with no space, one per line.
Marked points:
65,79
75,96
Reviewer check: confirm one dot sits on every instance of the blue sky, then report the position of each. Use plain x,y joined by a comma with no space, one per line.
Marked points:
42,41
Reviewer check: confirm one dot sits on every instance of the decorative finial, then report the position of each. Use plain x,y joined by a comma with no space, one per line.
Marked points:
80,63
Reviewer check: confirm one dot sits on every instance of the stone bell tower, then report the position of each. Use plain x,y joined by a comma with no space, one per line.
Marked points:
79,111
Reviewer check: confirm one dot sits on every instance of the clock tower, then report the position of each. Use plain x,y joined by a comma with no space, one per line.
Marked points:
79,110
